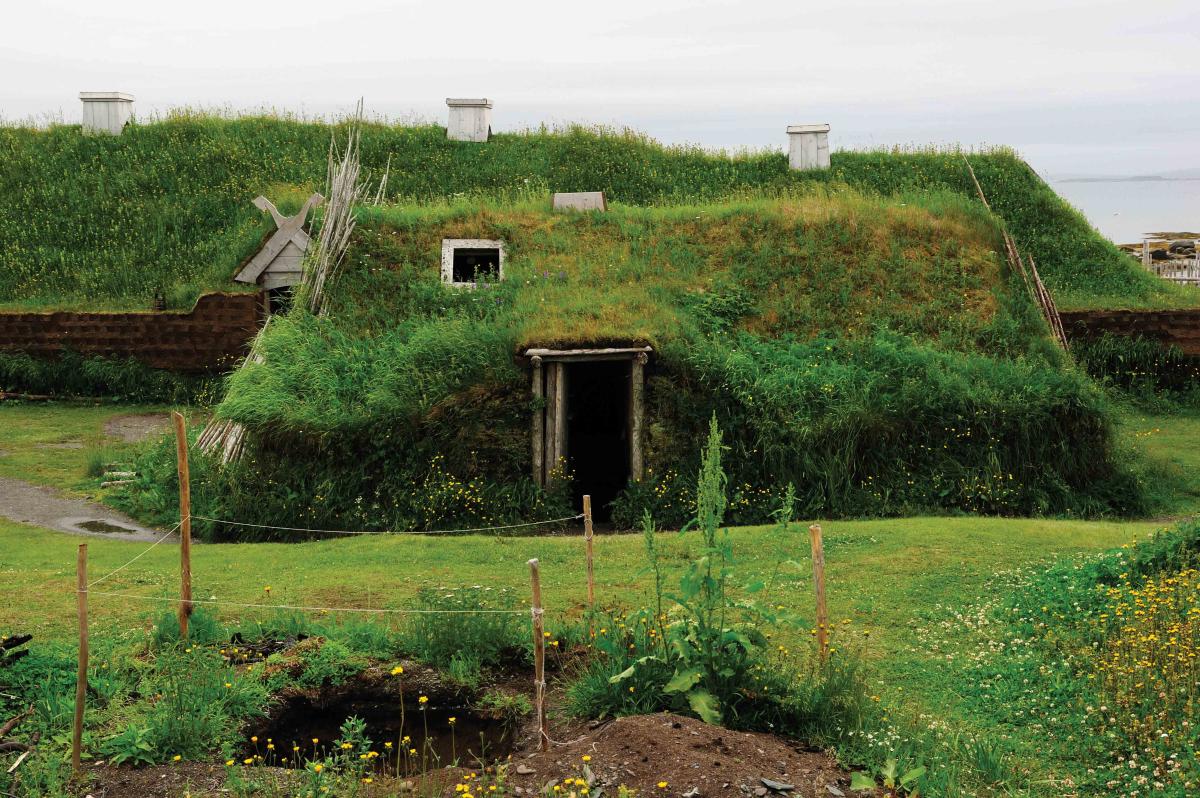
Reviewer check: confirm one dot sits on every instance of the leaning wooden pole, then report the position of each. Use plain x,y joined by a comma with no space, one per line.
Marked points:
81,591
185,525
539,658
818,560
1030,276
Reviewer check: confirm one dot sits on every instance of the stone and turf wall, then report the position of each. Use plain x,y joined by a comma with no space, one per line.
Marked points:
210,337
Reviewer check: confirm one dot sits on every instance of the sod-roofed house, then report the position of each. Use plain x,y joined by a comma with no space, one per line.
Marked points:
876,355
502,339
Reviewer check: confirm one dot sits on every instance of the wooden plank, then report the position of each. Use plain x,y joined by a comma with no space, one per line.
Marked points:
818,562
539,658
81,588
587,539
185,524
608,350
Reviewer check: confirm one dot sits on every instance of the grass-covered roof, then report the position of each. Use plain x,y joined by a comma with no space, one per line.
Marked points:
831,262
88,220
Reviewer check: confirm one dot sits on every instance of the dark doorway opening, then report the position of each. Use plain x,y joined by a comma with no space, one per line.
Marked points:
279,300
598,431
471,264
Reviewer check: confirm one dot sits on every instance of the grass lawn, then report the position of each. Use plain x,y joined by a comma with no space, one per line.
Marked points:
51,443
882,574
902,581
1171,442
915,584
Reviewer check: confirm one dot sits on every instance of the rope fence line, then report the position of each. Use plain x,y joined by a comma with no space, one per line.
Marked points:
137,557
388,532
371,610
185,601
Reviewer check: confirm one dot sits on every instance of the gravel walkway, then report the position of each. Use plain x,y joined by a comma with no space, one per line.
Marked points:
33,504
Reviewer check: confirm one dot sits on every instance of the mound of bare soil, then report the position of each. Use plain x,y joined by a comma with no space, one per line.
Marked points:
192,779
692,757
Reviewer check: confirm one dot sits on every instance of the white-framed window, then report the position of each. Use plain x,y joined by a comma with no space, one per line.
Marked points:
467,261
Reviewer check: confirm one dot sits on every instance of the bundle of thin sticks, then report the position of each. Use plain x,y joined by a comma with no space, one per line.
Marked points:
224,438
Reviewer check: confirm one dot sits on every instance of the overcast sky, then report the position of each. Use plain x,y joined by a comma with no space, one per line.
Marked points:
1078,86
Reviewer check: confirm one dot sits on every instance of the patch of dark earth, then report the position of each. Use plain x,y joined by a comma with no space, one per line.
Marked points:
640,752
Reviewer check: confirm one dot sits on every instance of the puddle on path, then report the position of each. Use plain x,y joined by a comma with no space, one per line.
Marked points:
105,527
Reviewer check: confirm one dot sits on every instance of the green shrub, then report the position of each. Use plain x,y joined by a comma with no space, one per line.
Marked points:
127,380
98,458
464,669
131,746
326,665
1141,368
511,707
702,650
45,680
496,636
203,629
203,702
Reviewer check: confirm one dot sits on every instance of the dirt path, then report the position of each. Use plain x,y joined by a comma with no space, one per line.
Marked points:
33,504
137,426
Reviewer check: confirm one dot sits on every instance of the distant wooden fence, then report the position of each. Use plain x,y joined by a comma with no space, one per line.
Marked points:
1185,271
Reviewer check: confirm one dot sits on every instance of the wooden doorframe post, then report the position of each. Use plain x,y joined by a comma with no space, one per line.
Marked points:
560,415
548,442
538,431
637,378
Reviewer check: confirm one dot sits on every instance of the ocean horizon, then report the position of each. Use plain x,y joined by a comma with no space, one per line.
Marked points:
1126,209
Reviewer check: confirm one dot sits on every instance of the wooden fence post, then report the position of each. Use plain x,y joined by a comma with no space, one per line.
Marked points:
185,525
587,537
81,674
539,658
818,560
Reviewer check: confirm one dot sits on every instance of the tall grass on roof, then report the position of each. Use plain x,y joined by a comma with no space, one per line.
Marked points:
345,192
166,205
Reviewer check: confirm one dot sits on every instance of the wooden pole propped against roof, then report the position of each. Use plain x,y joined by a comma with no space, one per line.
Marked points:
1029,275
